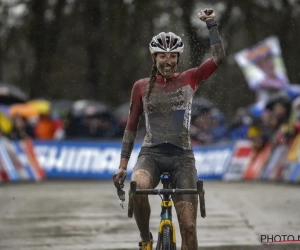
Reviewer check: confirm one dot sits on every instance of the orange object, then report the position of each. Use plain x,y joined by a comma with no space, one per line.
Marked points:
29,150
45,128
257,165
23,110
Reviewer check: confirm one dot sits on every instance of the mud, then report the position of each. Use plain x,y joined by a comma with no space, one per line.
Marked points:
86,215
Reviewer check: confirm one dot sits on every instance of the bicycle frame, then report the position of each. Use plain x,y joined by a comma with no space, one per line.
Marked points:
166,205
166,213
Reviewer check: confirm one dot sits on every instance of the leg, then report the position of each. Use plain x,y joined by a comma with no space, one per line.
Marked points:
146,175
187,214
141,208
185,176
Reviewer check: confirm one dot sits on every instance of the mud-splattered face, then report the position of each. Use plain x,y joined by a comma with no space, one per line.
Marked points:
166,63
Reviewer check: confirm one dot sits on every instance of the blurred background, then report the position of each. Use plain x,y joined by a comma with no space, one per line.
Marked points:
67,68
76,62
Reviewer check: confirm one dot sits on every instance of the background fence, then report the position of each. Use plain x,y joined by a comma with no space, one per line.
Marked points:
29,160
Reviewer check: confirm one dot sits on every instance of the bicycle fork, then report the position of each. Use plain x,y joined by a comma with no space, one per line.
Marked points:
166,221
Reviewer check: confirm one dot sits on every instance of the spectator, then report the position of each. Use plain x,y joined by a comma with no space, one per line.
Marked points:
45,128
100,126
21,128
218,128
200,129
295,116
239,125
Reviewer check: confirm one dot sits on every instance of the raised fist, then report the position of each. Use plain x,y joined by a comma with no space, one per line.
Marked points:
206,14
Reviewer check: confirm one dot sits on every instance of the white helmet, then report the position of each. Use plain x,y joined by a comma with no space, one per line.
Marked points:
166,42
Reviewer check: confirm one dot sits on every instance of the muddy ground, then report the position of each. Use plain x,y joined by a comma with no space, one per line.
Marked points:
85,215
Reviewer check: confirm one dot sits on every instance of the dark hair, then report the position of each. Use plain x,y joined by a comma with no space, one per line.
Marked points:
152,78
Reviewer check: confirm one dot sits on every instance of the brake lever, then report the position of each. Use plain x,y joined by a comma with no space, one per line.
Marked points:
121,194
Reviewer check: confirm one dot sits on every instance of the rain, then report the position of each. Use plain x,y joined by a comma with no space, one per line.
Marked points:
74,81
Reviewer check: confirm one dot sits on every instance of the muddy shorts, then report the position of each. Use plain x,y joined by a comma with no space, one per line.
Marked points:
169,158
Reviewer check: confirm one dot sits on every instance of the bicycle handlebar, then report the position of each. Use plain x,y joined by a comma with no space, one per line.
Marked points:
134,191
166,191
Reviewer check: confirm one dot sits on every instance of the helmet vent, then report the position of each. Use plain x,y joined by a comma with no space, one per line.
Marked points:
166,42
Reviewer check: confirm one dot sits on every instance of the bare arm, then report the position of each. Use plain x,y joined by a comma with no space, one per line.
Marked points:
136,109
135,112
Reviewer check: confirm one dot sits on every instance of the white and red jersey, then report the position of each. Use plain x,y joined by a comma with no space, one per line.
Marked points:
168,109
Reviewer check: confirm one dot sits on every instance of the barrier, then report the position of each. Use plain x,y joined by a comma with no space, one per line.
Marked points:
92,160
26,152
241,157
37,160
212,161
10,166
275,165
257,164
291,171
18,161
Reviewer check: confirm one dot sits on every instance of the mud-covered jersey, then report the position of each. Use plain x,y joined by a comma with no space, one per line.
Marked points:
168,109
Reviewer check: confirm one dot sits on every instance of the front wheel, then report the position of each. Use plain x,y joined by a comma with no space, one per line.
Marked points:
167,239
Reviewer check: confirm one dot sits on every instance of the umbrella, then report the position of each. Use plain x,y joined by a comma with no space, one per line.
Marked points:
10,94
41,106
23,110
61,105
89,108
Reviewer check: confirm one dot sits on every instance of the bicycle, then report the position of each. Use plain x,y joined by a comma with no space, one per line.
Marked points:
166,230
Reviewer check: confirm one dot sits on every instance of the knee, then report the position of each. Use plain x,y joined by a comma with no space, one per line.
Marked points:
188,227
143,179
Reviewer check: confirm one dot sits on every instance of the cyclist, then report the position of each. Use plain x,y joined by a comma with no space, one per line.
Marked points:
166,98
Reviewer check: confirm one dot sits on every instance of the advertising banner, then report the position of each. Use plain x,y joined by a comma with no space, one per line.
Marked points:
291,171
275,165
99,160
262,65
295,174
37,160
212,161
81,160
10,165
258,163
264,71
26,153
239,161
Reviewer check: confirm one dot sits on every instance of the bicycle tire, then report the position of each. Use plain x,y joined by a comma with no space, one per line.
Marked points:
166,238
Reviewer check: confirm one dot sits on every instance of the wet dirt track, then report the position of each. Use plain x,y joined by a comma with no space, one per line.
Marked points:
87,216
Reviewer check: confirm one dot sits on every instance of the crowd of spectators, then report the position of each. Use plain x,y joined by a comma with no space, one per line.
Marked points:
277,123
